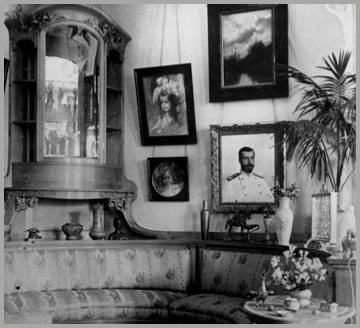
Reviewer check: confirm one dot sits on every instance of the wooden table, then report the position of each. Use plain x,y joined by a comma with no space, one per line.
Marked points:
259,313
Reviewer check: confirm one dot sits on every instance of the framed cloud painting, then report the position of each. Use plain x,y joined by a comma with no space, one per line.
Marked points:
247,43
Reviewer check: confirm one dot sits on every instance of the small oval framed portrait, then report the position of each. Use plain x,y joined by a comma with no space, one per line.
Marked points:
168,179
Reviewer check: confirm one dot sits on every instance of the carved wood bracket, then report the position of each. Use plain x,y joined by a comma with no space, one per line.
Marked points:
120,201
20,201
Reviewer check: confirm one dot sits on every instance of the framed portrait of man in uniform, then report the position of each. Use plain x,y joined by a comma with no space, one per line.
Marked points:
247,161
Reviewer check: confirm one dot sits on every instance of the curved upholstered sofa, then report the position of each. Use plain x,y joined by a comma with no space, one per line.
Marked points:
135,281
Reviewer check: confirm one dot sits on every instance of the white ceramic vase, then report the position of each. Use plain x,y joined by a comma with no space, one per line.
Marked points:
284,218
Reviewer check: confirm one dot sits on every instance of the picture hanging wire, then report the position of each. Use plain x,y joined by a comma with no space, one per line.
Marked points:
161,50
180,42
149,42
163,35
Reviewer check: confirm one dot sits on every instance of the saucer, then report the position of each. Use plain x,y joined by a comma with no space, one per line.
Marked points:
284,313
291,309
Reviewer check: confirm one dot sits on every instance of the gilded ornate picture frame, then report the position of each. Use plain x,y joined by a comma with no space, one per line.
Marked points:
228,190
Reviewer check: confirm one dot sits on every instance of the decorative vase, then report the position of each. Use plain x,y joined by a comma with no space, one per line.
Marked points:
204,220
7,232
284,221
72,230
98,232
267,225
303,296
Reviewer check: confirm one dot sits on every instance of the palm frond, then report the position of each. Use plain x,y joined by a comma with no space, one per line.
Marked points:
326,119
337,66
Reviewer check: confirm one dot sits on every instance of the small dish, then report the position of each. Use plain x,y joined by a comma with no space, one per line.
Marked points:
284,313
292,309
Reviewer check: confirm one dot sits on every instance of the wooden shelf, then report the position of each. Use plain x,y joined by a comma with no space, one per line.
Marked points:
25,82
113,89
24,123
112,128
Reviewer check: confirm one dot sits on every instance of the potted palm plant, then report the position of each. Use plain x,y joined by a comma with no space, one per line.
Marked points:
324,135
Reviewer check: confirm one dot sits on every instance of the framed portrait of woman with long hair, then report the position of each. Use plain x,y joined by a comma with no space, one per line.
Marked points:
166,105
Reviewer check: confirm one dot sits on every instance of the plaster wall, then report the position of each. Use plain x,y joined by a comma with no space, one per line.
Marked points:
177,33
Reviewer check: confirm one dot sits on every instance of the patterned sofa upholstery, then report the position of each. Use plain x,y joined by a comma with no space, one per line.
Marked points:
56,285
170,282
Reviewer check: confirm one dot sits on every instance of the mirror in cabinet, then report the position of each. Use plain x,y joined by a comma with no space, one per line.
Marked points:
71,107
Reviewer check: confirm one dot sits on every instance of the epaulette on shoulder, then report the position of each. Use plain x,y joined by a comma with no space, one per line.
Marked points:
259,176
231,177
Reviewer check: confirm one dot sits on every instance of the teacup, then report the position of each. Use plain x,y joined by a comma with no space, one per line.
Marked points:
292,304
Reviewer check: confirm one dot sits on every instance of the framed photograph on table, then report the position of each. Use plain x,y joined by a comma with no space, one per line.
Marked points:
246,162
168,179
246,45
166,105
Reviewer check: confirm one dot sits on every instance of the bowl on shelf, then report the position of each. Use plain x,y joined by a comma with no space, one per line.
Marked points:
72,230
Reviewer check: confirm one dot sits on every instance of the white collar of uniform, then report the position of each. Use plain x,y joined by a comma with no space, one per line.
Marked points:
243,174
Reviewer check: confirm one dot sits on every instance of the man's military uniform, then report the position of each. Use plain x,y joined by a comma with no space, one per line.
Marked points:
245,188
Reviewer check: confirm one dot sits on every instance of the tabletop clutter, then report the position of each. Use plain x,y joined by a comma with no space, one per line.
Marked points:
292,305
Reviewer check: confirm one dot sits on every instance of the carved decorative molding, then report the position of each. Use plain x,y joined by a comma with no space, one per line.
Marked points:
109,33
120,201
20,201
21,23
30,22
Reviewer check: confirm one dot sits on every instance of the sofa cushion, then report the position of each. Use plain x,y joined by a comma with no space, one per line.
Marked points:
72,299
59,306
89,315
28,317
94,268
216,308
110,315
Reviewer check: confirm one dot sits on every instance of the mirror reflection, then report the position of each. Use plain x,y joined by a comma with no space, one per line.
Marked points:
71,119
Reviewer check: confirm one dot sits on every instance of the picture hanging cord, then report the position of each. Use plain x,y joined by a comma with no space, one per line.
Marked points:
163,35
180,42
274,110
180,35
221,113
161,50
149,42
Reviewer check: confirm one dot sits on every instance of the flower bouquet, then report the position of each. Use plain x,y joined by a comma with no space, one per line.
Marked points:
291,191
296,273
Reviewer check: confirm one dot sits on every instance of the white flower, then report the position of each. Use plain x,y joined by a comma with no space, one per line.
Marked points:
275,260
277,274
